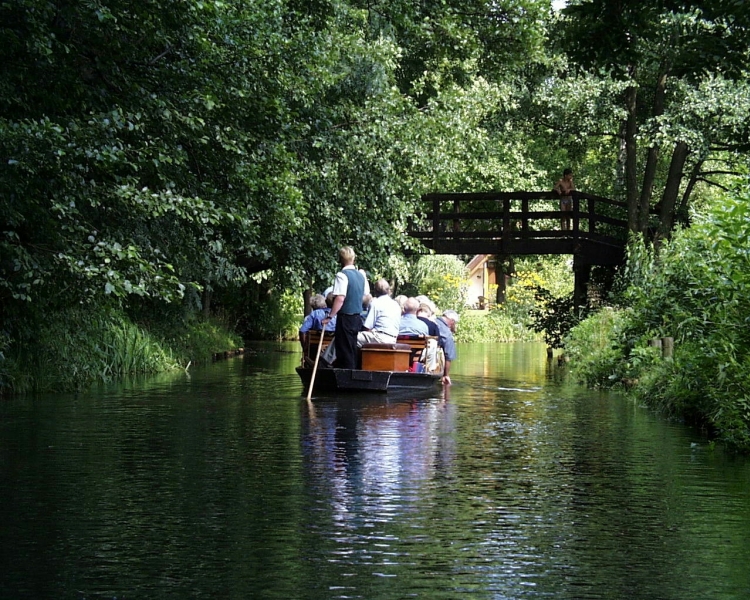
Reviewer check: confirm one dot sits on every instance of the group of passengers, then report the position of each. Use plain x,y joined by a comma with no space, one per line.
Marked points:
376,318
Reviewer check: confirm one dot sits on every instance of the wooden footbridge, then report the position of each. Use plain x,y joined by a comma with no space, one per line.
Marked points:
526,223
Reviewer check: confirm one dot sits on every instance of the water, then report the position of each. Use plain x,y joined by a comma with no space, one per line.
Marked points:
227,484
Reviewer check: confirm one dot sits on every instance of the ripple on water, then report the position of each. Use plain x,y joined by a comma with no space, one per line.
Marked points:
225,482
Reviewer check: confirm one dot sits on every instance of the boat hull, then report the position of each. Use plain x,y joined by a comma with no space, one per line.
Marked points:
356,380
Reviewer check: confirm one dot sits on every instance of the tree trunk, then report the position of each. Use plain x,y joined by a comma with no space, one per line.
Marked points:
681,213
672,188
653,156
631,157
504,268
501,285
620,187
306,295
206,302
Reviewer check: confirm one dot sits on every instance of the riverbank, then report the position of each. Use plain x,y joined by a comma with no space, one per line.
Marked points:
76,348
701,380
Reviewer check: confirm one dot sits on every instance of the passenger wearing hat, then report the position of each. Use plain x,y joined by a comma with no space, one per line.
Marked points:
447,327
426,313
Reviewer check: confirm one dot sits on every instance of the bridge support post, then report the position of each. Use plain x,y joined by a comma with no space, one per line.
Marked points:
582,274
504,269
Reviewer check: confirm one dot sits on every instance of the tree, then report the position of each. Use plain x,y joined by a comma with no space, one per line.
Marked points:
666,63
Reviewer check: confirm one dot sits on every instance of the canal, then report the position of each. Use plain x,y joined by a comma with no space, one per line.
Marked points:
226,483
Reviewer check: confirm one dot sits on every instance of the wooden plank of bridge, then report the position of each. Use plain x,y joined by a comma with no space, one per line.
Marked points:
463,237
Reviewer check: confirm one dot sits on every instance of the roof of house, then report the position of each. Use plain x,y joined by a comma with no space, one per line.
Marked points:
476,262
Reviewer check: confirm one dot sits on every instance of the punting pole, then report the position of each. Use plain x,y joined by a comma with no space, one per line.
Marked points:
315,366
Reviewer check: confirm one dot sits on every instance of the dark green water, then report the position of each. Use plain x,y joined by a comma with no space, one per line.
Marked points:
227,484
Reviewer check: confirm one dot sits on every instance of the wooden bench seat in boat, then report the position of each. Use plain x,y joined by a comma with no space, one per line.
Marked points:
416,343
386,357
313,339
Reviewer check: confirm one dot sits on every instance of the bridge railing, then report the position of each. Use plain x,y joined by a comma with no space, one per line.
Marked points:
510,218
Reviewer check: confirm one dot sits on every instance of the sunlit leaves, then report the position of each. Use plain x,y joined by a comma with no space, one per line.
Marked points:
196,142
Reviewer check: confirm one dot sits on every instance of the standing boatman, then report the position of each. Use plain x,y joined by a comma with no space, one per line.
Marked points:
349,287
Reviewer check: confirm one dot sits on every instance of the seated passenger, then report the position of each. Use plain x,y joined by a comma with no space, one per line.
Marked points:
381,324
410,324
424,314
447,324
366,301
314,321
422,299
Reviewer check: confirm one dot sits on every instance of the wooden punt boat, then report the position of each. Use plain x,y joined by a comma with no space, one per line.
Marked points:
385,368
358,380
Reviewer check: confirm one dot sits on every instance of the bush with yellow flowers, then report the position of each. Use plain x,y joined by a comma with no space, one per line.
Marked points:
446,290
520,296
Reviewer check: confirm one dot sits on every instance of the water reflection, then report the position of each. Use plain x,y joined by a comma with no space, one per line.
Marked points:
229,484
377,454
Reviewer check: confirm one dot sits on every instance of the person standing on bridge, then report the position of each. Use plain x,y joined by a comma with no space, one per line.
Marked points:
565,188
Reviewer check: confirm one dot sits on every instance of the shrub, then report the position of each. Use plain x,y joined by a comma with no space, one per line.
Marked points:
199,340
554,317
494,326
697,290
75,347
443,279
597,349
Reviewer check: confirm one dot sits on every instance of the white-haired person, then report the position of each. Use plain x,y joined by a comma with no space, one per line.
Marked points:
381,324
320,308
401,299
447,327
410,323
426,315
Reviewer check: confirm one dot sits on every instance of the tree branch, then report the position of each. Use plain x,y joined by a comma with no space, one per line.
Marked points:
154,60
720,173
709,182
731,147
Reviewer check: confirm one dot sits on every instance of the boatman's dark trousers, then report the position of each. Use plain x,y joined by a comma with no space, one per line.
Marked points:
345,339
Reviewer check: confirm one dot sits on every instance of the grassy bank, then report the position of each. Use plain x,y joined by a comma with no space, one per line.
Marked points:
696,291
74,348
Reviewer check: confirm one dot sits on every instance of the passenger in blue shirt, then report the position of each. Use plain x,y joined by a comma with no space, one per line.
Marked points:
447,326
410,324
321,307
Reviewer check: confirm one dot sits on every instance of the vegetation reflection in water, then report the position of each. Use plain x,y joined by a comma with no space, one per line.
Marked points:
227,483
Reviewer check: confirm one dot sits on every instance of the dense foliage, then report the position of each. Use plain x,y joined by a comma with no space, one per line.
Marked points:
167,162
663,86
697,290
164,146
156,153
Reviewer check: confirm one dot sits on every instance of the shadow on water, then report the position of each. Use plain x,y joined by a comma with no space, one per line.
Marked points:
225,482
